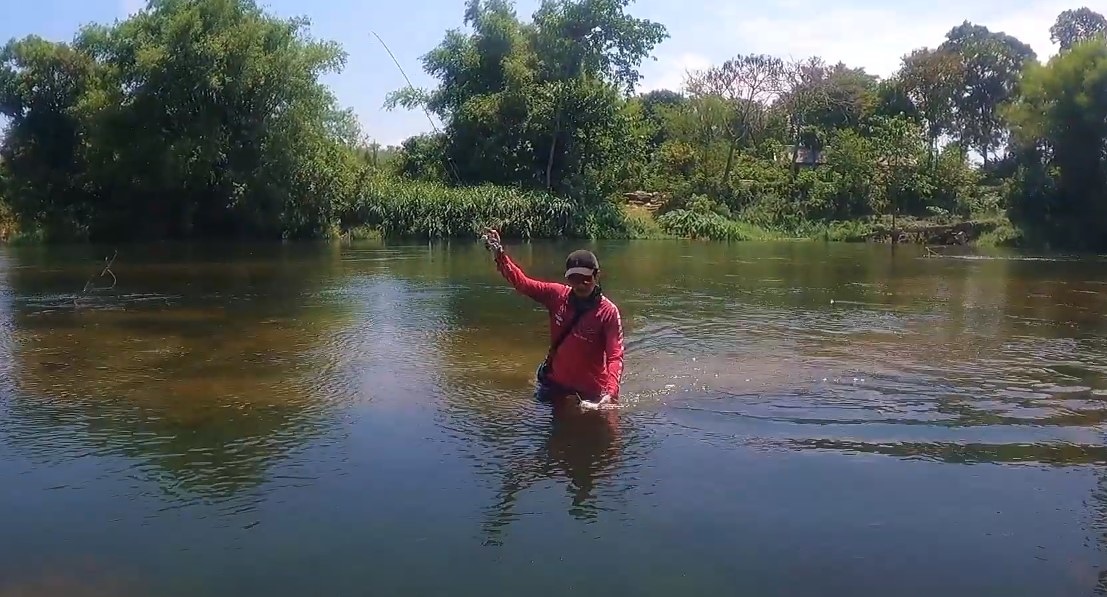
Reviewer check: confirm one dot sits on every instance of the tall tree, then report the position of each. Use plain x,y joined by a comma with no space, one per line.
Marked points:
542,103
588,39
1076,25
42,87
932,79
748,85
1060,125
991,65
897,145
596,38
808,100
850,95
194,117
656,105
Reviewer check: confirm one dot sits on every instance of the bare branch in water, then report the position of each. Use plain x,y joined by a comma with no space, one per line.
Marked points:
106,271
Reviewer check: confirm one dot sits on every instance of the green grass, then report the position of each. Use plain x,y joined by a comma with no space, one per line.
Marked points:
849,231
397,208
711,226
641,224
362,233
391,207
1003,234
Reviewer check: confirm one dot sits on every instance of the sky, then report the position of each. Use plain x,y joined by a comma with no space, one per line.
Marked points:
861,33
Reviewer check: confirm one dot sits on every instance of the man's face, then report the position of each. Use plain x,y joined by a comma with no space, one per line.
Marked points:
583,285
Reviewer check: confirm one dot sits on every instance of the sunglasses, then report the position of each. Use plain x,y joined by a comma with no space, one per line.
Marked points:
579,278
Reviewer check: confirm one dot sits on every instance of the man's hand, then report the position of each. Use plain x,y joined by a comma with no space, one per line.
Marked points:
602,402
491,239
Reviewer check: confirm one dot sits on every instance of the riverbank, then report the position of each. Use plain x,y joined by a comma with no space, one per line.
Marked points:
393,208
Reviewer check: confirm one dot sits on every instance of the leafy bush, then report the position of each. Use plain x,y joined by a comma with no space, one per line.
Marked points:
708,226
1004,234
848,231
7,221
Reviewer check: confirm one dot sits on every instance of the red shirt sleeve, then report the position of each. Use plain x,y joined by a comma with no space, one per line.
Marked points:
543,292
613,349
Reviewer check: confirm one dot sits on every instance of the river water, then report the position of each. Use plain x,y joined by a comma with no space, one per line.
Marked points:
337,419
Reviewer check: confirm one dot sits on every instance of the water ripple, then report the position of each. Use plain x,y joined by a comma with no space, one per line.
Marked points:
304,407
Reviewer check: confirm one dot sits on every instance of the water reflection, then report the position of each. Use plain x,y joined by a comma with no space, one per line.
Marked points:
521,445
7,335
83,578
836,413
154,368
581,448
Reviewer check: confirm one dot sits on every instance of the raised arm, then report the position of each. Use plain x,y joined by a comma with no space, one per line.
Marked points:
613,350
543,292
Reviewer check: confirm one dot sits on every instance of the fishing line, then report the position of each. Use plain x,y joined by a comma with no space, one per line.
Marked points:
452,165
426,112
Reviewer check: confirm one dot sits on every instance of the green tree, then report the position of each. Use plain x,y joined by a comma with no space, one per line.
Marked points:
656,105
747,85
892,97
806,96
1077,25
991,65
1060,127
194,117
932,79
852,163
898,146
851,94
540,104
423,157
42,86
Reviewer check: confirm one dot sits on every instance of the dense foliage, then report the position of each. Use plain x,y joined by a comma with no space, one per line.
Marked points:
1060,125
189,118
975,127
207,118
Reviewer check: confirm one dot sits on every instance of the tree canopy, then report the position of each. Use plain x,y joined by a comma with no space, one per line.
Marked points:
187,118
538,104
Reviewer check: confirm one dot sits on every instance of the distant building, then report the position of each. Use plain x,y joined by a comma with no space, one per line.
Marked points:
805,157
812,158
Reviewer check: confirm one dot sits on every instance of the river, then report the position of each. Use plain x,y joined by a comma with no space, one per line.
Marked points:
798,418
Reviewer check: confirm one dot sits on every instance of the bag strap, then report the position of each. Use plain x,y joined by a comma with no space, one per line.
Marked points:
564,334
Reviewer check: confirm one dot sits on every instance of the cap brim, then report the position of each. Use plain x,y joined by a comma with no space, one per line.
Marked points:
584,271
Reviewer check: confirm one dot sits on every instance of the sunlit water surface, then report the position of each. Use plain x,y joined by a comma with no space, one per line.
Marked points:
799,419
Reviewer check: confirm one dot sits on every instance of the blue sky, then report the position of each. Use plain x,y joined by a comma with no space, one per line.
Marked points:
865,33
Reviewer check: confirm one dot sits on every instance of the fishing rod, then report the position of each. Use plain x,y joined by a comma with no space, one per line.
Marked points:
489,243
423,105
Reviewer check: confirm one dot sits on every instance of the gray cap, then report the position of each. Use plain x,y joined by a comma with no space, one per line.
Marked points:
581,262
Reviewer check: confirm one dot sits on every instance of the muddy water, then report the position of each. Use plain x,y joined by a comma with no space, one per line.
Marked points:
799,418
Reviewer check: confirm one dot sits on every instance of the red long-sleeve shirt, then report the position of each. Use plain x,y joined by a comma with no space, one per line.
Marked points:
590,359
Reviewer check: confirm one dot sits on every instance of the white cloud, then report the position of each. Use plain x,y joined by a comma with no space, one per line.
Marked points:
861,33
669,73
130,7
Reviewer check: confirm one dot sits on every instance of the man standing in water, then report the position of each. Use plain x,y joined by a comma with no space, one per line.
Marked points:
586,331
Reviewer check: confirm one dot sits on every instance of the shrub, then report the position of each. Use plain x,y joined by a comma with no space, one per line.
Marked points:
708,226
